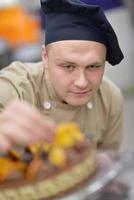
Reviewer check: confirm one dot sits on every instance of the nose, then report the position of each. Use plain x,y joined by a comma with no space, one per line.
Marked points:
81,80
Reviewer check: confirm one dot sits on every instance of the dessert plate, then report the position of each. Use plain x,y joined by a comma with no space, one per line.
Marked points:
109,166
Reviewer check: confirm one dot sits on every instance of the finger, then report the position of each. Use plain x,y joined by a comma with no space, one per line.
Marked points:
16,134
29,118
37,126
34,129
5,145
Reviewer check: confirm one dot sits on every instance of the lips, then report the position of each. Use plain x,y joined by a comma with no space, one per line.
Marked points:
81,92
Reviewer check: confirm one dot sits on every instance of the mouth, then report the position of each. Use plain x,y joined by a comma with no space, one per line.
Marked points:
82,92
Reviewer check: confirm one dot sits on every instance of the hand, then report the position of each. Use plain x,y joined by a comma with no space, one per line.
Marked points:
21,124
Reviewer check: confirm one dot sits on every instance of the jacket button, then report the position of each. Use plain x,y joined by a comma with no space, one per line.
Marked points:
90,105
47,105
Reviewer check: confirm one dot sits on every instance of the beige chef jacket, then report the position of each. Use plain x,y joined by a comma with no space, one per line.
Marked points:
101,117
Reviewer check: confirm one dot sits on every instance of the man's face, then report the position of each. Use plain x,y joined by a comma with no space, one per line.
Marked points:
75,69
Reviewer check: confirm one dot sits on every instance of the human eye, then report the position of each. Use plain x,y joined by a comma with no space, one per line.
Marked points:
68,67
94,67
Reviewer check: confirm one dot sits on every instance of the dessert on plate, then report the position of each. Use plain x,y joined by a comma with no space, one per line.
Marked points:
43,170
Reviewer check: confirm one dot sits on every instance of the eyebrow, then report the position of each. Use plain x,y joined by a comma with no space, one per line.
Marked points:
97,63
65,61
73,63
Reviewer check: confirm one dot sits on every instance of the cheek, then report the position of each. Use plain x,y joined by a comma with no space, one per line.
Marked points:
53,73
99,75
96,77
59,80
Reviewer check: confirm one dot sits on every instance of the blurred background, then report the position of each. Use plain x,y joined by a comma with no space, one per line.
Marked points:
22,30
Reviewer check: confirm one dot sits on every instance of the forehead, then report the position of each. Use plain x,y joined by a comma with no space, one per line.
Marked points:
77,48
74,44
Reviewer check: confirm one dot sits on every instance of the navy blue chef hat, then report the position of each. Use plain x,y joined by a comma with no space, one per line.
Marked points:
76,20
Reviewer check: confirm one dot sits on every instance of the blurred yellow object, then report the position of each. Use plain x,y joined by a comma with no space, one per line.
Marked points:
17,26
35,148
67,134
7,167
57,156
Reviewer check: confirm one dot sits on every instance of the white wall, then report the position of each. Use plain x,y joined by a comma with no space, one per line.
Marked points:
122,74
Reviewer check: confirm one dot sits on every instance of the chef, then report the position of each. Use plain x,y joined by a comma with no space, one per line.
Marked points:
68,84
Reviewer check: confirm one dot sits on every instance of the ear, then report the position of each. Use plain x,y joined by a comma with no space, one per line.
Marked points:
44,56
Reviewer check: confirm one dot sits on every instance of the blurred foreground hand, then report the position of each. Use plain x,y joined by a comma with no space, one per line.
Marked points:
21,124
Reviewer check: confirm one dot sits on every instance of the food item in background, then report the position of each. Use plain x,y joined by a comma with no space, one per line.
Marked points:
18,27
44,170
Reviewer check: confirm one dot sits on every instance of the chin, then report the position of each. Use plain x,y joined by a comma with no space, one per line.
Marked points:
78,103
